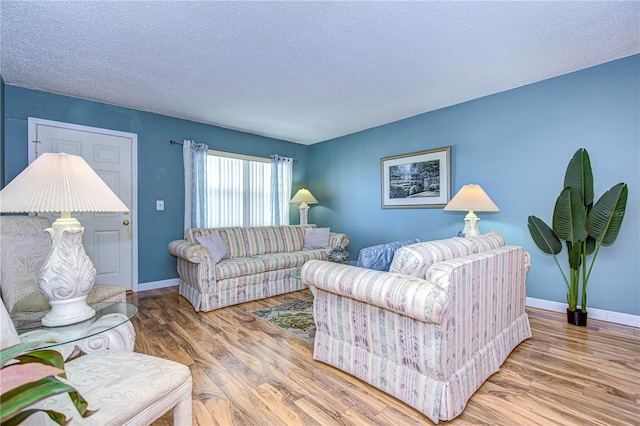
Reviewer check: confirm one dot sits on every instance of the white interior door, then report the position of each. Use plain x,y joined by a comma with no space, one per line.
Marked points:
108,237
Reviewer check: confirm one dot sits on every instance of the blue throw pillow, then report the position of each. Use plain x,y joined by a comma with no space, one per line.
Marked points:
380,257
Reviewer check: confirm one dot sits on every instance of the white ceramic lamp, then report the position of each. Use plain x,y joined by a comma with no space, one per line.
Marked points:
304,198
62,183
471,198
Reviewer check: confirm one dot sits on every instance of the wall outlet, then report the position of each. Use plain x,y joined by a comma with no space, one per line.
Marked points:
159,205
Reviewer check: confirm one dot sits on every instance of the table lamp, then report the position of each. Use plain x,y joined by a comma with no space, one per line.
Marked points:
304,198
62,183
471,198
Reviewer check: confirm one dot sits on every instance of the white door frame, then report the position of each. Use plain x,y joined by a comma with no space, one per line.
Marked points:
34,122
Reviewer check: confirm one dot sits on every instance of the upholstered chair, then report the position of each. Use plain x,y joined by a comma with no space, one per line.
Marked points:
126,388
433,328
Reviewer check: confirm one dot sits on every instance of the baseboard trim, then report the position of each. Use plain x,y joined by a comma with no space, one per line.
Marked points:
158,284
594,313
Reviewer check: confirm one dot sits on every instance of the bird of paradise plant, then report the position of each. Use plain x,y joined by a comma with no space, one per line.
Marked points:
584,226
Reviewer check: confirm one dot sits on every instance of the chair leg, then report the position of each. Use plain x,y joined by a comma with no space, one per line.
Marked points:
183,411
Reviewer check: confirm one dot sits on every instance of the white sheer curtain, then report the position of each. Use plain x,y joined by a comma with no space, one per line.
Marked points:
195,177
281,168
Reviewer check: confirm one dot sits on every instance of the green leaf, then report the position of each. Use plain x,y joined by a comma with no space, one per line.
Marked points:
23,396
46,357
575,254
543,236
57,417
570,217
16,375
605,218
81,404
580,177
11,352
591,242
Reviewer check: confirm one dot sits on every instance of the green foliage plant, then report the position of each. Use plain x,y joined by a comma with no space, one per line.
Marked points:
581,224
28,376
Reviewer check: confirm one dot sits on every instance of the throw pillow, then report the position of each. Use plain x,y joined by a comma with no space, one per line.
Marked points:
216,246
379,257
316,238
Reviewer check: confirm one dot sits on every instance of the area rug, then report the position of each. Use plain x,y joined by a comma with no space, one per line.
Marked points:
294,317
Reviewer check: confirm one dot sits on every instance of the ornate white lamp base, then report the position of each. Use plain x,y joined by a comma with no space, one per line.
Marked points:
471,225
67,274
64,312
304,214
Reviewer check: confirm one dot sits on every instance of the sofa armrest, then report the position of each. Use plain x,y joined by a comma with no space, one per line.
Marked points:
406,295
336,238
488,293
194,253
196,269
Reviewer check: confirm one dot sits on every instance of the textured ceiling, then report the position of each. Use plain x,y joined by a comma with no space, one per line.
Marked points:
303,71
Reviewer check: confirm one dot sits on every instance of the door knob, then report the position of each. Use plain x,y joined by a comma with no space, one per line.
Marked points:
125,222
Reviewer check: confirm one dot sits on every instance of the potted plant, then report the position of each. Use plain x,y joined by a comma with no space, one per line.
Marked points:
28,376
584,226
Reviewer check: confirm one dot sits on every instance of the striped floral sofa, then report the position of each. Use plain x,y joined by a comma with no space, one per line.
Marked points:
432,329
261,261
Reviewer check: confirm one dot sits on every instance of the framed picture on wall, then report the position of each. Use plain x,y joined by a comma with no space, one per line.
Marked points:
416,180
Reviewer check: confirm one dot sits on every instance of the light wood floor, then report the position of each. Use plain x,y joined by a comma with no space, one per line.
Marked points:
249,372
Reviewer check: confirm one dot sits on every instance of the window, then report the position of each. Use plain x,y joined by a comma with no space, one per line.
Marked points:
239,190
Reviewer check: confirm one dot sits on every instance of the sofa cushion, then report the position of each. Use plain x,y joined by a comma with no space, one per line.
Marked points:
262,239
216,246
234,240
415,259
489,241
293,236
317,238
379,257
290,260
239,267
232,237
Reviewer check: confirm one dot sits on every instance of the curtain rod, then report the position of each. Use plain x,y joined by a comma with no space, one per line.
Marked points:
174,142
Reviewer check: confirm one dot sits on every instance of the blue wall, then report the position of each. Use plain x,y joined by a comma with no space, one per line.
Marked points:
516,144
160,169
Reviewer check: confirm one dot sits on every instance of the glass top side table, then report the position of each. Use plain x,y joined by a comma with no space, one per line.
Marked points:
109,328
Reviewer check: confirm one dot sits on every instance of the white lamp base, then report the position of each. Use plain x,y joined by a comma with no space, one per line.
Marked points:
67,275
304,214
471,225
65,312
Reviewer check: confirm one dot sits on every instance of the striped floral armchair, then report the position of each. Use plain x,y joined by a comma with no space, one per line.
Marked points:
432,329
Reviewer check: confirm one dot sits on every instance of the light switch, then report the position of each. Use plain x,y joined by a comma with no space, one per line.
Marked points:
159,205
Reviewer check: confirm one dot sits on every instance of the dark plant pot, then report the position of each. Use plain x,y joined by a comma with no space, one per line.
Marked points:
577,317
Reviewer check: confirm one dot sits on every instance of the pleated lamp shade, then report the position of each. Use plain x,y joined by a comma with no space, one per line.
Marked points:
59,183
